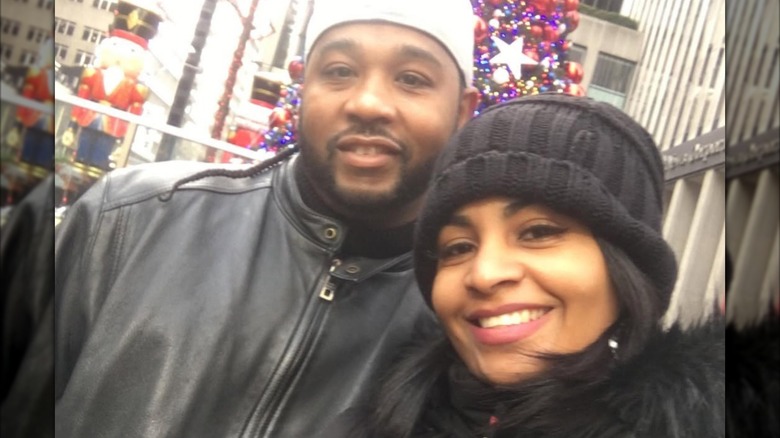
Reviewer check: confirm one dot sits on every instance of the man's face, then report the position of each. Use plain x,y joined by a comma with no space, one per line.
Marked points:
380,101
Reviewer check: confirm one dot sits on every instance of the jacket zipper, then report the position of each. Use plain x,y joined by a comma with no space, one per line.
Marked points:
267,409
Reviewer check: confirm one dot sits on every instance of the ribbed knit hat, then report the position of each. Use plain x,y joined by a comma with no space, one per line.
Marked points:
451,22
582,158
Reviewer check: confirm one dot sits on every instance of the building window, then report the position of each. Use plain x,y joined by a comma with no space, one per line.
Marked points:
64,26
577,53
92,35
611,79
60,51
5,51
105,5
83,58
11,27
606,5
27,57
45,4
37,34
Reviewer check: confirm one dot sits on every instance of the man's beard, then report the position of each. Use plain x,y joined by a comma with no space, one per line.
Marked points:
411,184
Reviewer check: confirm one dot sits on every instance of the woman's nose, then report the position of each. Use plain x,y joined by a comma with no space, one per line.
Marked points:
493,268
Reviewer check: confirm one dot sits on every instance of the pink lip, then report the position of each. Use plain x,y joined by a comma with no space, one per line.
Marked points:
500,310
505,334
384,144
387,151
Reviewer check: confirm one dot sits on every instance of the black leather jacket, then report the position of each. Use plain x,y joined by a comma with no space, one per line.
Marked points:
223,312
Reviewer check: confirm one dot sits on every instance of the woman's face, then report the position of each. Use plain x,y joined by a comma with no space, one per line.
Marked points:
515,279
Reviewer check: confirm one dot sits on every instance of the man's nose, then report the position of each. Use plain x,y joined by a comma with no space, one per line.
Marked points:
372,100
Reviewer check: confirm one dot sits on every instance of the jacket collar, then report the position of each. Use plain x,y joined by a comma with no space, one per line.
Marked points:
325,231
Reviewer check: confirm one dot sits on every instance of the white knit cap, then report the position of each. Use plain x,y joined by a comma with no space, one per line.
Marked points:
451,22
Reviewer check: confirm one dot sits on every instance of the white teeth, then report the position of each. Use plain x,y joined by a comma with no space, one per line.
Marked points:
366,150
513,318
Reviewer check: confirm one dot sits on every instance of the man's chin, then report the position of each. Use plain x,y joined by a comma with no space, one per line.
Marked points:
367,201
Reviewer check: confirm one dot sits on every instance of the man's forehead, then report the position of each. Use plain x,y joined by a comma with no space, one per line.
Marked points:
402,40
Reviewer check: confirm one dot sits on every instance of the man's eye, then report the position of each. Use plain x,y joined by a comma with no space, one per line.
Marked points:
413,80
452,251
540,232
338,72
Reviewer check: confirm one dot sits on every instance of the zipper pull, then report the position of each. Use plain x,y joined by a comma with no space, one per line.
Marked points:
329,290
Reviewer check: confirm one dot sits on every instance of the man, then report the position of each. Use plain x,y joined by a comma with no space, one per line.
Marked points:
265,305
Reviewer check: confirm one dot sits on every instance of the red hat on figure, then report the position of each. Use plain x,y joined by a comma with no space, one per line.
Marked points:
135,23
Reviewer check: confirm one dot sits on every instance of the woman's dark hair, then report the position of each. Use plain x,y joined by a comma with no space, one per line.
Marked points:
404,395
232,173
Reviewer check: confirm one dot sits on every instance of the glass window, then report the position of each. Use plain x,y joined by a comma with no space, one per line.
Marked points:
5,51
577,53
607,5
60,51
613,73
27,57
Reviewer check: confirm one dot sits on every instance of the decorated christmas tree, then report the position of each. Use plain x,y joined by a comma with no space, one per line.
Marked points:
521,47
281,123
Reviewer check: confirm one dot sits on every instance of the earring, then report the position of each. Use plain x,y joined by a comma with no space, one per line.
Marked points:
613,346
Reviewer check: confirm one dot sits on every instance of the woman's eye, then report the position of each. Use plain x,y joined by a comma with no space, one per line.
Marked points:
454,250
540,232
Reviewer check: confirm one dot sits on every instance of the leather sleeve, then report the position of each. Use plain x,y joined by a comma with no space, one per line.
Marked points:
78,273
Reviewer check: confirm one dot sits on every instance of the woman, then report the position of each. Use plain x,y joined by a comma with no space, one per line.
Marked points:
540,251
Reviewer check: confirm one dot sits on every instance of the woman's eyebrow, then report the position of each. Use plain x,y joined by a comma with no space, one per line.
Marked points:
458,220
513,207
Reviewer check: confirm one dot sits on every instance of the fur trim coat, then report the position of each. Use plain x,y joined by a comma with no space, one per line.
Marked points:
673,389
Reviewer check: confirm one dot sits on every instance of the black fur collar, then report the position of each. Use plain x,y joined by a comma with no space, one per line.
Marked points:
673,389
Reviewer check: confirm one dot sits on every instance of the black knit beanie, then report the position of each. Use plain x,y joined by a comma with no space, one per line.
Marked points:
580,157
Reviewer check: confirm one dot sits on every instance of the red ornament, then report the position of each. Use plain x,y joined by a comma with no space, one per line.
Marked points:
496,2
544,6
572,20
550,33
279,117
566,45
537,31
575,90
545,46
295,68
571,5
480,29
533,54
574,72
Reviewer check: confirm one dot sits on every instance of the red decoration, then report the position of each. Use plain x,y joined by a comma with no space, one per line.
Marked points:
550,33
244,137
575,90
574,72
295,68
279,117
537,31
496,2
543,6
571,5
480,29
573,20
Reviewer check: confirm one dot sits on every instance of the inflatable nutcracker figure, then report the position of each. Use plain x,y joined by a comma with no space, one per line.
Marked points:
36,130
113,80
